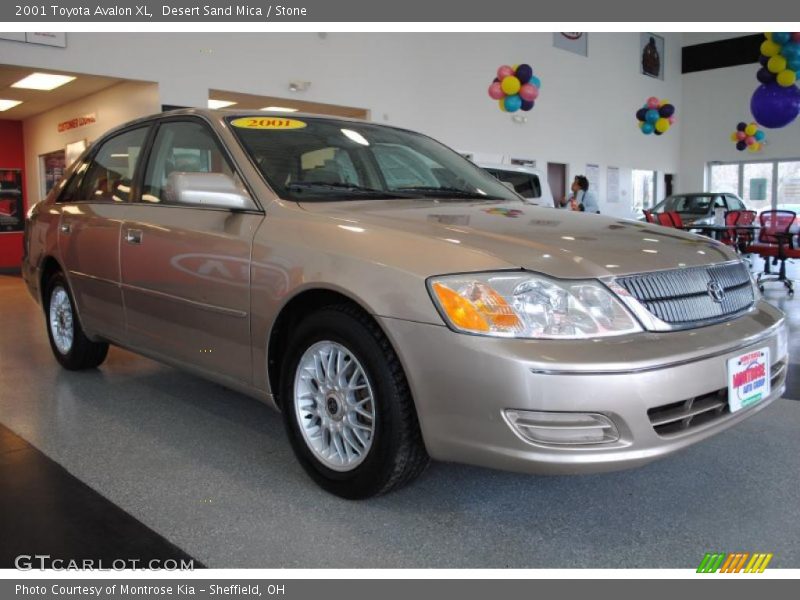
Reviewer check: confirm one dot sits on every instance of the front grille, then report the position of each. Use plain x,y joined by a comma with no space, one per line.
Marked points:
679,417
681,297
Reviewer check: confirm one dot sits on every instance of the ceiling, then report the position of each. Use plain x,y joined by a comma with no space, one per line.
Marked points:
39,101
255,102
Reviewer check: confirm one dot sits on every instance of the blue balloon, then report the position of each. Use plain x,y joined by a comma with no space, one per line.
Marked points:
535,81
652,116
774,106
760,135
794,64
527,104
791,50
648,128
781,38
524,73
513,103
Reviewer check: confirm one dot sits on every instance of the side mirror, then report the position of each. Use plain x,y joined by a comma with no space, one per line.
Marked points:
216,190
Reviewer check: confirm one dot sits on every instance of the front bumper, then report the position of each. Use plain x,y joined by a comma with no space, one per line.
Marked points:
462,386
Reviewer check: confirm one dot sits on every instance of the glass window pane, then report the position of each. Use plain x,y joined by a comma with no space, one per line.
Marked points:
110,175
724,178
789,186
643,193
757,185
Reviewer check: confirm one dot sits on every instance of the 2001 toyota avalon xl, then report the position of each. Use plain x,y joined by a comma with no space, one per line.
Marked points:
396,302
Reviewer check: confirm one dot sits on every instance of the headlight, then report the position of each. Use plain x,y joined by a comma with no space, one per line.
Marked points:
523,305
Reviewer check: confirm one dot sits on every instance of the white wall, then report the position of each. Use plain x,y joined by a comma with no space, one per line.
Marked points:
112,106
435,83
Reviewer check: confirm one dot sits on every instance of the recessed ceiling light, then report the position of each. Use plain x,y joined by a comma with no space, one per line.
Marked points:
42,81
6,104
220,103
279,109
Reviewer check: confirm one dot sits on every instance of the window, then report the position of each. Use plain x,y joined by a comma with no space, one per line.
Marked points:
757,185
643,189
110,174
788,184
181,147
328,165
526,185
724,178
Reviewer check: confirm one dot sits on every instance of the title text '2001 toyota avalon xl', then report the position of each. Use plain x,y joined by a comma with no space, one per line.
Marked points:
395,301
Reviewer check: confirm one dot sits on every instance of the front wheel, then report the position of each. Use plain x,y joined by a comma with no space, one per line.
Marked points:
70,345
347,406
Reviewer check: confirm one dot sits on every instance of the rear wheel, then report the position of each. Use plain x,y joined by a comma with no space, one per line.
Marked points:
347,405
70,345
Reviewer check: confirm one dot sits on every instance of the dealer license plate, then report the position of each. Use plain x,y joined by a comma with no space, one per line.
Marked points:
748,379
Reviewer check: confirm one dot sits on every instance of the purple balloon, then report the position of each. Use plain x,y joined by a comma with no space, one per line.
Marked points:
774,106
765,76
524,73
741,145
741,126
527,104
641,113
763,60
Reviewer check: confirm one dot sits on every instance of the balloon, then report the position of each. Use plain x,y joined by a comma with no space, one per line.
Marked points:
534,80
528,92
495,91
740,135
754,147
504,71
741,146
734,137
524,73
791,50
652,116
776,64
769,48
796,36
741,126
666,110
760,135
527,105
764,76
652,102
513,103
662,102
751,129
641,114
793,64
671,120
657,132
749,140
775,106
502,104
763,60
647,128
510,85
781,38
786,78
662,125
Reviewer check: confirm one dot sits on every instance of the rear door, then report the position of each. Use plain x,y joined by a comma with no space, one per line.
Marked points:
186,268
93,208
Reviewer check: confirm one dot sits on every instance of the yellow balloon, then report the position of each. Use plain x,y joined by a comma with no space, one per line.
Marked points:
510,85
776,64
734,138
662,125
751,129
787,78
514,67
663,102
769,48
754,147
502,104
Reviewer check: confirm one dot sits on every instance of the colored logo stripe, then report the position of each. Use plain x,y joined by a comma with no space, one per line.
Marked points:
734,562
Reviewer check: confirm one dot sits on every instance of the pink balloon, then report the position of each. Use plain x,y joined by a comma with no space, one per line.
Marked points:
495,91
796,36
671,119
652,102
740,135
750,140
529,92
504,71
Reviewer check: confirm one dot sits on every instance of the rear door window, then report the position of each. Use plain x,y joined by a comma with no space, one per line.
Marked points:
110,174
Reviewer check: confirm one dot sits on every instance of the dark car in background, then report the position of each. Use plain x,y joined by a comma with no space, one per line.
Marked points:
699,208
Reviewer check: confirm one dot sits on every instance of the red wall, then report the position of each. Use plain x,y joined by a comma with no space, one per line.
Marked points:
12,156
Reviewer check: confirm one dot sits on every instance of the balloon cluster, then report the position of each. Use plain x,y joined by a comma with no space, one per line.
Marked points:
748,136
780,58
515,88
656,116
776,102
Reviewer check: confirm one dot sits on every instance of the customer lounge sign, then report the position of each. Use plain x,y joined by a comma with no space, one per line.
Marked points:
77,122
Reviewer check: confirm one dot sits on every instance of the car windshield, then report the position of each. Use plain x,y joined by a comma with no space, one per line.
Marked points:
698,204
317,159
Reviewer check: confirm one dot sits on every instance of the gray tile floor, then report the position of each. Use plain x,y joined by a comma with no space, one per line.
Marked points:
211,471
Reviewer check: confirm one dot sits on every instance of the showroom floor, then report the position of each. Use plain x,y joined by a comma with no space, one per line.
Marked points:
211,471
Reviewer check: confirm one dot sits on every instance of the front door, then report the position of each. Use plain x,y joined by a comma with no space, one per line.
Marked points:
186,268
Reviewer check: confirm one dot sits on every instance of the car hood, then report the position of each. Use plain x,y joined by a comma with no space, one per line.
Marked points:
561,243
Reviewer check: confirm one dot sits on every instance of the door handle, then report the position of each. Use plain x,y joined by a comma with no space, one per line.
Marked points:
133,236
66,228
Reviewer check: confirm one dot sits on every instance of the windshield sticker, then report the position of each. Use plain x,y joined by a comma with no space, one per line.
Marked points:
267,123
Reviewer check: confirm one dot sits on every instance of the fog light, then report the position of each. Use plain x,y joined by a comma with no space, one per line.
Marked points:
561,428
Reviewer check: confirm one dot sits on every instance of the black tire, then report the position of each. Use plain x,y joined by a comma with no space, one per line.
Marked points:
83,353
397,454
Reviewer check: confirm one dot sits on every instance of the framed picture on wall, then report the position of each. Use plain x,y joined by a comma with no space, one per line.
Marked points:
651,55
51,170
12,209
73,151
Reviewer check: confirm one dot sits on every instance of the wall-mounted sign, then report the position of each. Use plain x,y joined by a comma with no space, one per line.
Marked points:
576,42
77,122
12,211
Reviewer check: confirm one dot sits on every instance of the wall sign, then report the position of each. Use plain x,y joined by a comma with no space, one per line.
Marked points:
77,122
12,214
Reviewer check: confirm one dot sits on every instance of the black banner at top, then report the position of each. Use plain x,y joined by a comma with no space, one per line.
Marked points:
188,11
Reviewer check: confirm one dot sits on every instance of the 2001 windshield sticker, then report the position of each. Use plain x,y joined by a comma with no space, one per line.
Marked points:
267,123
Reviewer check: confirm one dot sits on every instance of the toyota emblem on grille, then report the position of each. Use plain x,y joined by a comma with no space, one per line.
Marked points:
716,291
